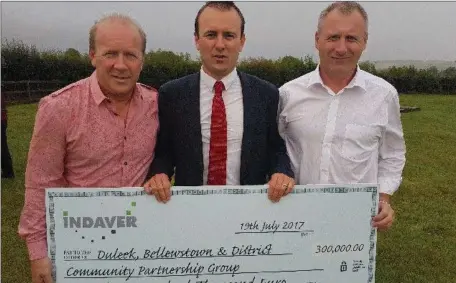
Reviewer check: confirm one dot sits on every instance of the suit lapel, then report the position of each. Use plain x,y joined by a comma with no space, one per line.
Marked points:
193,124
249,96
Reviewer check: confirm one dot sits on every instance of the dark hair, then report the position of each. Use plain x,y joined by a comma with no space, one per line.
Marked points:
222,6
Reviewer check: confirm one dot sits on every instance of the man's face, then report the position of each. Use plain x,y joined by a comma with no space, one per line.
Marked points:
219,41
340,42
117,57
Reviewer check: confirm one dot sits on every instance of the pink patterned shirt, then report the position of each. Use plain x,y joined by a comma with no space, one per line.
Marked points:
79,141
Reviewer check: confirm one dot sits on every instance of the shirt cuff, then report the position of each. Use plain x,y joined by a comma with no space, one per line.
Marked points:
37,250
387,186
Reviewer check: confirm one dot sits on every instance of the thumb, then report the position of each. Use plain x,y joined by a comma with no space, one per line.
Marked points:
148,187
48,278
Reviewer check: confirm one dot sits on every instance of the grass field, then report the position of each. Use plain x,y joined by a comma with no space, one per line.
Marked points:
421,247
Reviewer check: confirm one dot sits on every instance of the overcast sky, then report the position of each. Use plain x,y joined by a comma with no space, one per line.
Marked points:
397,30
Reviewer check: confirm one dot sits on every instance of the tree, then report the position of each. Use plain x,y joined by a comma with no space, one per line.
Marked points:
368,67
72,54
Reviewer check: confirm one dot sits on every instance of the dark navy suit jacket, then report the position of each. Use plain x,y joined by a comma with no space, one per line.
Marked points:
179,142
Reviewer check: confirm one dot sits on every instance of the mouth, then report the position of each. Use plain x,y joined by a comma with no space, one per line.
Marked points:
220,57
121,78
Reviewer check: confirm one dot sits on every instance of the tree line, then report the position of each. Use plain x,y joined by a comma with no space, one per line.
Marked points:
25,62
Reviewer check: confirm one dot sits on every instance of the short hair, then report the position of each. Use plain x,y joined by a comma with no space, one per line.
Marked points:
222,6
346,8
116,17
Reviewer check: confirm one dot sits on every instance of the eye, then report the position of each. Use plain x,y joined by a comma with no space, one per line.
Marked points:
110,54
352,39
229,35
333,38
131,56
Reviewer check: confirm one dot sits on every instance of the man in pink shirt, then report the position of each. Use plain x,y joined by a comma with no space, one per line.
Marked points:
97,132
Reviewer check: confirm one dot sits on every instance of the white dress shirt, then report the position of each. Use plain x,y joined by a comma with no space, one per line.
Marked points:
232,98
354,136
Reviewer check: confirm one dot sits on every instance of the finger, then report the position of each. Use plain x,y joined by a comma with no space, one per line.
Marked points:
156,196
47,277
166,187
385,223
291,184
286,189
154,185
388,219
271,185
43,278
154,188
279,188
167,184
379,217
384,211
161,189
148,187
273,188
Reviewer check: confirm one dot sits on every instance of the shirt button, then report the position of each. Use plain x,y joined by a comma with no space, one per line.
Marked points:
125,163
125,138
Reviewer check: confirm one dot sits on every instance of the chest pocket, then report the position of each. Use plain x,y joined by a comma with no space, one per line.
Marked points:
360,142
292,126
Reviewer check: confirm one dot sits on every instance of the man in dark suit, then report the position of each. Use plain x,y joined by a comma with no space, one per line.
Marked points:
218,126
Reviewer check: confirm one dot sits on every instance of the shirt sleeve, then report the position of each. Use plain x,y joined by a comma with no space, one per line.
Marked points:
45,168
392,149
281,115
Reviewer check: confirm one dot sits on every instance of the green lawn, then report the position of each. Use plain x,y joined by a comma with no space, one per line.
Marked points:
421,247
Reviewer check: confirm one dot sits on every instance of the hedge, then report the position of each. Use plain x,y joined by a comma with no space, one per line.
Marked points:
24,62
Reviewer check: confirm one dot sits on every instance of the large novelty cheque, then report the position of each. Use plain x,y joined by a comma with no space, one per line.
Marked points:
213,234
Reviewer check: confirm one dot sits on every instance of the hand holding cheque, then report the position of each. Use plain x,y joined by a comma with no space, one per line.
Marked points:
160,186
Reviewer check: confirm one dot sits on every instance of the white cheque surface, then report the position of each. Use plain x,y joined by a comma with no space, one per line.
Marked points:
318,234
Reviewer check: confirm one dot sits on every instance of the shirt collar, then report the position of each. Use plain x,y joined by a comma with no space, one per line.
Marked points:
228,80
358,80
98,95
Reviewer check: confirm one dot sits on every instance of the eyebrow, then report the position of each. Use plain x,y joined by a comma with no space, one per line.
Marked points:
223,32
229,33
339,35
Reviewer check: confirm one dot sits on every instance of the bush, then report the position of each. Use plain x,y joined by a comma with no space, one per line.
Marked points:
23,62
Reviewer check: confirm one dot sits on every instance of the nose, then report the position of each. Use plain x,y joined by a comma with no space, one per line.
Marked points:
341,47
119,63
220,42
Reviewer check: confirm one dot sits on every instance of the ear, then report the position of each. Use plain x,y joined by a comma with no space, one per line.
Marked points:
92,57
196,39
242,42
363,43
317,36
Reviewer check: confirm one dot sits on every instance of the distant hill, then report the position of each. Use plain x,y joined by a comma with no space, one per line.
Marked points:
419,64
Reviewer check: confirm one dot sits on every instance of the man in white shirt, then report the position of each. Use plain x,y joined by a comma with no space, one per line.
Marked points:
342,125
219,126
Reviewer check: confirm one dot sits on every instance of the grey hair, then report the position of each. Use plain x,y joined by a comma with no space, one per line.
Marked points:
346,8
116,17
